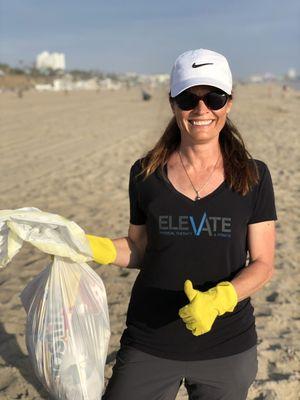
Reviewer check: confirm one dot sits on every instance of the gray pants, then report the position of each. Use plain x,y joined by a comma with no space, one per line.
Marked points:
141,376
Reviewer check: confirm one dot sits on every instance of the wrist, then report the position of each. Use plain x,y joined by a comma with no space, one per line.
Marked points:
225,297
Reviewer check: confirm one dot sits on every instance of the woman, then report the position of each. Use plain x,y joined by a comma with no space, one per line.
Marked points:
198,204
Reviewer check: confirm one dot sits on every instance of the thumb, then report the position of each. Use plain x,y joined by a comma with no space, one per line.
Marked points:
189,290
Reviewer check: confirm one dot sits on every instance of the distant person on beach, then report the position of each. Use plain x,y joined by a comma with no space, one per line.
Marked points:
284,90
146,96
20,92
199,203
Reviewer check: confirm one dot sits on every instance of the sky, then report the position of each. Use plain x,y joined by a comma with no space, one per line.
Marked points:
146,37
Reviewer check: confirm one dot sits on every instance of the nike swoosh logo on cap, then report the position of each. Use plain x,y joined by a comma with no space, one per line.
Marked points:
200,65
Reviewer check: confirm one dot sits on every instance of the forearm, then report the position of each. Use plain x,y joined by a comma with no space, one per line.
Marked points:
252,278
128,254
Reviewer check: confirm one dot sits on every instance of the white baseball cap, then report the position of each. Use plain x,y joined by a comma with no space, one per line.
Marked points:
200,67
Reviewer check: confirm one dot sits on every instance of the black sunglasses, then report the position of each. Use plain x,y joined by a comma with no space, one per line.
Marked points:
213,100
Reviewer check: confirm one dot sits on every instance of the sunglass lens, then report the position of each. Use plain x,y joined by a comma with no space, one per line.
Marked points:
215,100
187,101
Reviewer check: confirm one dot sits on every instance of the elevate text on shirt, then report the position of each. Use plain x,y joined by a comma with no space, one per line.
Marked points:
186,225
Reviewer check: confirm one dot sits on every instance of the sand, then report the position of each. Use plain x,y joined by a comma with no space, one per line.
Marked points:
70,154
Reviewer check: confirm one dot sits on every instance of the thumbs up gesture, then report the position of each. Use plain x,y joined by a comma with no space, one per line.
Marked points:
204,307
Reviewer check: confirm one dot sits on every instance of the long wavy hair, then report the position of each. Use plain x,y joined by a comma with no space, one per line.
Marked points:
241,172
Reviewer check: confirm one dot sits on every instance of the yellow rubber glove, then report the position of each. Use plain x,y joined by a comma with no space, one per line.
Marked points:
103,249
204,307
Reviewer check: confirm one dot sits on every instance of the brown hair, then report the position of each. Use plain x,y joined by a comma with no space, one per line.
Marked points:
241,172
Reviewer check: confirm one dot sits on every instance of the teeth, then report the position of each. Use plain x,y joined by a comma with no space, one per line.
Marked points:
201,123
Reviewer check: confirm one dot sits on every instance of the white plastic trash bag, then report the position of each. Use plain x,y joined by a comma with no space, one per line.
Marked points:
48,232
67,330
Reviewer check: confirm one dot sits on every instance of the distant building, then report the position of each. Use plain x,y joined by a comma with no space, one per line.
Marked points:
292,74
53,61
162,78
256,79
109,84
269,76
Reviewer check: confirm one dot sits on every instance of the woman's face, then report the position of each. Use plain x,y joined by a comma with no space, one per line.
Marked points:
201,124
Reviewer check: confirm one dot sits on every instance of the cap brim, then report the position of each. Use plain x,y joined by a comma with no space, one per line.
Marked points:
181,86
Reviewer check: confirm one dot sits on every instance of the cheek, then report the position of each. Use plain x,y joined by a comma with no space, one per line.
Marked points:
221,115
181,116
221,119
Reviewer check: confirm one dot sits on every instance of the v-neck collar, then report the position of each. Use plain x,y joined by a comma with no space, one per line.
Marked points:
171,187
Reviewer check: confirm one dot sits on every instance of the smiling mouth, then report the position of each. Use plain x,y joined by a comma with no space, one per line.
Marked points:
201,123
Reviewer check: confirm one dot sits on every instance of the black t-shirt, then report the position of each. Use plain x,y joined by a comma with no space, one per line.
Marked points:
204,241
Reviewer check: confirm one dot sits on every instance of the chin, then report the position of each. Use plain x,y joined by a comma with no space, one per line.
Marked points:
206,135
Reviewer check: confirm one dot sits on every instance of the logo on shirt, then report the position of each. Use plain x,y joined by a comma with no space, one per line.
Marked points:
188,225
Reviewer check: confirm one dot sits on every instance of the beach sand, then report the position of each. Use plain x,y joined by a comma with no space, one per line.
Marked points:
70,154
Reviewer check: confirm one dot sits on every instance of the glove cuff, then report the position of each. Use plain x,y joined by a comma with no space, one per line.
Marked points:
103,249
225,297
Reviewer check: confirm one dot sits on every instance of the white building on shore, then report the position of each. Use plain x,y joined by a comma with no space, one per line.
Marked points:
53,61
291,74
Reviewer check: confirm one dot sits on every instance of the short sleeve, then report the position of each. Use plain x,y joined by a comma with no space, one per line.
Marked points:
137,216
264,208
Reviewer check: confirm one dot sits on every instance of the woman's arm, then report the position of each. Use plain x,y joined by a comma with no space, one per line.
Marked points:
204,307
261,244
130,249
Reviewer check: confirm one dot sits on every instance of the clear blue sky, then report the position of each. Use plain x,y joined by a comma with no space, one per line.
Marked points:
256,36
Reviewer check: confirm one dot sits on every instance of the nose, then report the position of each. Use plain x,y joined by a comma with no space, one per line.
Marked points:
202,107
